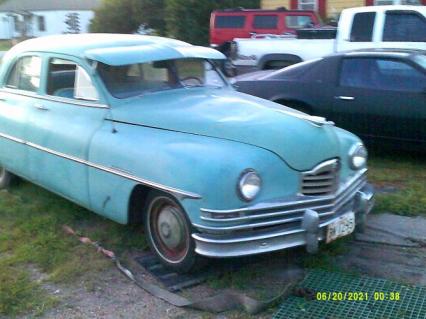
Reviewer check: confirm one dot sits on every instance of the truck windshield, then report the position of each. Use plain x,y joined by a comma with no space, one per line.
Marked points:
137,79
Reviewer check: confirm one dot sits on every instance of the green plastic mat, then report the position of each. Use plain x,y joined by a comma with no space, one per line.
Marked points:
339,295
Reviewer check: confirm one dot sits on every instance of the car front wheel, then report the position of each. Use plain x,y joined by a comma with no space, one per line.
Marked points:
169,232
6,178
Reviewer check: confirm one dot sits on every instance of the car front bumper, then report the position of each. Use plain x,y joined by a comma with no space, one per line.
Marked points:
306,229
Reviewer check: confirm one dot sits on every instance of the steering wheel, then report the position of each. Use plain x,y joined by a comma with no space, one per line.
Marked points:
192,78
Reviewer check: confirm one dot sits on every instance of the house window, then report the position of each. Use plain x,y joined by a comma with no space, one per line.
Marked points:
41,23
16,24
308,5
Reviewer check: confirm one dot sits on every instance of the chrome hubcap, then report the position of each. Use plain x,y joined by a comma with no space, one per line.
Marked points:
170,227
168,230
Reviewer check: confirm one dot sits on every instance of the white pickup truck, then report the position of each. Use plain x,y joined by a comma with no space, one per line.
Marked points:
396,26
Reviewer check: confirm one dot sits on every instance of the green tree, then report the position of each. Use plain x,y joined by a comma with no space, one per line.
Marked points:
189,20
126,16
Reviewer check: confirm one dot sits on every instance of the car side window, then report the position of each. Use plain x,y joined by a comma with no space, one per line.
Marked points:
298,21
404,26
69,80
362,27
229,22
265,21
25,74
381,74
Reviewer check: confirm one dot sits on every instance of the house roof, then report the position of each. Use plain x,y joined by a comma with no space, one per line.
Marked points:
48,5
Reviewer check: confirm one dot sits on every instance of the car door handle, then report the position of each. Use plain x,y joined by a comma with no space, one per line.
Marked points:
345,98
40,107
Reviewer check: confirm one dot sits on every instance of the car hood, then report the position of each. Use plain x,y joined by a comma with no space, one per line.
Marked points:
226,114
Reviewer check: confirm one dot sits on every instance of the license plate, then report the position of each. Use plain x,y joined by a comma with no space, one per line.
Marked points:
345,225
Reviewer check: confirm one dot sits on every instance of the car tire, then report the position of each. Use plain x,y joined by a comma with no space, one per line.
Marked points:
6,178
168,232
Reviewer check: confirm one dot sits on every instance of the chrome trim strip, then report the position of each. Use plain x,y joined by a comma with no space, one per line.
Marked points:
278,205
243,239
103,168
53,98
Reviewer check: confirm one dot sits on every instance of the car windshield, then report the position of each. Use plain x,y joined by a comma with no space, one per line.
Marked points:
138,79
420,59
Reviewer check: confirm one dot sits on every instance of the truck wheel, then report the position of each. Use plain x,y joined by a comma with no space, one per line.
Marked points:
278,64
169,232
6,178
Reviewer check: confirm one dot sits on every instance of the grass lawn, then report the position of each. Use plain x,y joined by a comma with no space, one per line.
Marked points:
5,45
402,180
32,241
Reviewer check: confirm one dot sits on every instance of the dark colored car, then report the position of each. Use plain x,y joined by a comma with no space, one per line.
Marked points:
378,94
228,24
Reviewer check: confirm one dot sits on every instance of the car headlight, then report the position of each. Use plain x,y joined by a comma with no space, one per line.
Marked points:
358,156
249,184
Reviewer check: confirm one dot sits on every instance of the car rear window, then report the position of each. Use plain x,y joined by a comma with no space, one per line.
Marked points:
265,21
295,70
229,22
362,27
404,26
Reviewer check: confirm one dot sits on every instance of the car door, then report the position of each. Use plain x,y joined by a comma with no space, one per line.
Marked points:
382,98
21,83
61,124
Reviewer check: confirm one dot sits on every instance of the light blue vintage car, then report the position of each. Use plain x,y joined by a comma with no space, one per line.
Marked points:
145,129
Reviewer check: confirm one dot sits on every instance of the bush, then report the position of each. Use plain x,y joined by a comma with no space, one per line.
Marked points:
126,16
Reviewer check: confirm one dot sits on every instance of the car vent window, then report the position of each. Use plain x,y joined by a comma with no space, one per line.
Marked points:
230,22
84,88
362,27
25,74
265,21
67,79
404,26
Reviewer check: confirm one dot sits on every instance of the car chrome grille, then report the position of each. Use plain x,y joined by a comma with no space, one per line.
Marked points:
322,180
284,214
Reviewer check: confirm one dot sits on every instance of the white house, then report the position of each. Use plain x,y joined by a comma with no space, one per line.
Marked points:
34,18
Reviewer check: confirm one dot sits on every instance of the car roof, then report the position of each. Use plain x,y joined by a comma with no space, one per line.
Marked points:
114,49
395,53
381,9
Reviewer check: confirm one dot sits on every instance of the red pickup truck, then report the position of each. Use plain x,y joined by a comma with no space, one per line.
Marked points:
225,25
